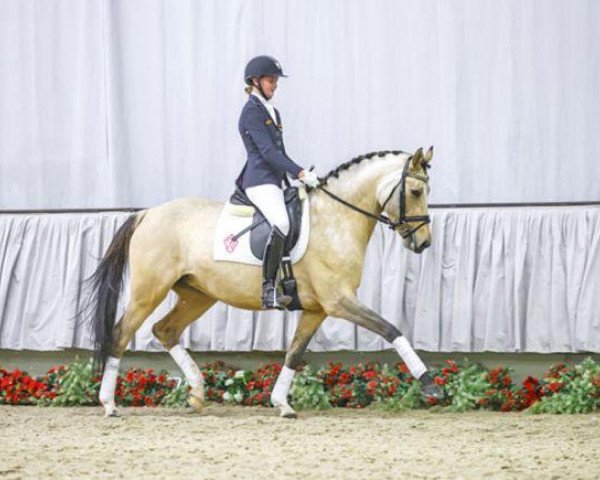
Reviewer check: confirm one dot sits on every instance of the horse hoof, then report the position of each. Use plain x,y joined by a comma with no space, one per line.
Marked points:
432,391
111,412
195,402
287,412
109,409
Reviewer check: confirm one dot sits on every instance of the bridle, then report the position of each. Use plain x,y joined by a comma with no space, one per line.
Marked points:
403,220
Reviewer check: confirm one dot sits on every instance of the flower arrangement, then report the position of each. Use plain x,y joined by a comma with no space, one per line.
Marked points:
139,387
19,388
564,389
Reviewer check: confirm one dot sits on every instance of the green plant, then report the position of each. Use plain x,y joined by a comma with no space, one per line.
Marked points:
408,399
236,387
466,389
177,396
77,386
577,391
308,391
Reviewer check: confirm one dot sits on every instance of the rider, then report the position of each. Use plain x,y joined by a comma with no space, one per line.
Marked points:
266,166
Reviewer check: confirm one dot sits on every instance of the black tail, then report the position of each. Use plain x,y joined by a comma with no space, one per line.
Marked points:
105,288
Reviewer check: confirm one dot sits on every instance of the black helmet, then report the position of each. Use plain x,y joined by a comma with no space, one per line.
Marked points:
261,66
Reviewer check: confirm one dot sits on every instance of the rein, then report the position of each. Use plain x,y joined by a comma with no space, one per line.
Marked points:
403,220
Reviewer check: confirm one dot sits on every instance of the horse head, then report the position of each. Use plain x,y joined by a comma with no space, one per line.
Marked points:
403,199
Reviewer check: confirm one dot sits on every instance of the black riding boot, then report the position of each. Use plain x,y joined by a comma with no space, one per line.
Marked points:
272,296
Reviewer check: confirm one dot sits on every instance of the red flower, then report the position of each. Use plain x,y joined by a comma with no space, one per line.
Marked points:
530,383
369,374
453,366
555,386
493,375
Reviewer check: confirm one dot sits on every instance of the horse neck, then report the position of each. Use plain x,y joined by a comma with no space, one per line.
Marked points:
358,187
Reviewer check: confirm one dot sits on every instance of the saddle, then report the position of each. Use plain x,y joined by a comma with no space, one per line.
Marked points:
260,230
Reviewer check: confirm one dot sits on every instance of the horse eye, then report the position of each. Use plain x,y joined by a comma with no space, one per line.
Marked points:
416,193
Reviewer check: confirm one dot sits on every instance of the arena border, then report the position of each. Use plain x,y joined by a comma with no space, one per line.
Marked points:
432,205
522,363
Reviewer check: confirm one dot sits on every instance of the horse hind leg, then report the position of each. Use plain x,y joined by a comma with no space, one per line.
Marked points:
146,296
190,305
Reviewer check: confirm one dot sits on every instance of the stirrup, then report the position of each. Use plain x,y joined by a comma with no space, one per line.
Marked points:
273,298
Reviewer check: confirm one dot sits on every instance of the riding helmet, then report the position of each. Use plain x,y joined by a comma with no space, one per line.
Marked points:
261,66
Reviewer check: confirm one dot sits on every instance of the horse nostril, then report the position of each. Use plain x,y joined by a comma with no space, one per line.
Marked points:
423,246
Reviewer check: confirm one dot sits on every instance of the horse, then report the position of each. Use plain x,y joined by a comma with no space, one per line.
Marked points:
169,247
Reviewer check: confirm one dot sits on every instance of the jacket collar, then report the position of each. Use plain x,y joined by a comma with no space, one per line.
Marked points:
255,93
257,101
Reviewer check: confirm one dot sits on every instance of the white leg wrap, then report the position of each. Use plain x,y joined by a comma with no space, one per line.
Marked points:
188,367
409,356
282,386
109,383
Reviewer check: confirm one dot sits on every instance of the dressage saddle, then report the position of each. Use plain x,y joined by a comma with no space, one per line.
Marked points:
260,228
260,231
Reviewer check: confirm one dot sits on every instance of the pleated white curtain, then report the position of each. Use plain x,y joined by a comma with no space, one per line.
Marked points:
121,104
508,280
129,104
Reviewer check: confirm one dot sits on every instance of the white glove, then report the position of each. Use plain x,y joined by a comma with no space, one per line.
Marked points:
310,179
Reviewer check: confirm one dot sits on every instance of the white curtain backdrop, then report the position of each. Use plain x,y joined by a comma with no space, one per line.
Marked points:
513,280
133,103
114,104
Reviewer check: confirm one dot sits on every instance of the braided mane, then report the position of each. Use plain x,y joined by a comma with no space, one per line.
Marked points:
335,173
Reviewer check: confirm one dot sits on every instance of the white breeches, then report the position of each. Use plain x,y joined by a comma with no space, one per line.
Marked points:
269,200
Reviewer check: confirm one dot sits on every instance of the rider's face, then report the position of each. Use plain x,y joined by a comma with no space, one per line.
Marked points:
268,84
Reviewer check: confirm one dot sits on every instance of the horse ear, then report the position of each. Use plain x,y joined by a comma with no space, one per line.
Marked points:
417,158
428,155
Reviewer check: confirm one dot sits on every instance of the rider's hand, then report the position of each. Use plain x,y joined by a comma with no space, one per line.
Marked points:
309,178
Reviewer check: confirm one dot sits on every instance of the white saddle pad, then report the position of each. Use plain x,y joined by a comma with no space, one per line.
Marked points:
228,225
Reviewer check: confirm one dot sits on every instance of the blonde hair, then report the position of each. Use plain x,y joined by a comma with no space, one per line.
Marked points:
248,89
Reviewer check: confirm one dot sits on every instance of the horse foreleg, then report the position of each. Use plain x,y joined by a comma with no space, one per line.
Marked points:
352,310
308,325
190,305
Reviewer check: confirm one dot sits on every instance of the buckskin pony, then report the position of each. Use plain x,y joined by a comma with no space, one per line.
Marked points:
169,247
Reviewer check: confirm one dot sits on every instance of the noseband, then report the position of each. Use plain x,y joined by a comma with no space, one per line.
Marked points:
403,220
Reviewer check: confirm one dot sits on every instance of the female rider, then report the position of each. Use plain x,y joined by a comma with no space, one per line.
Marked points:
266,165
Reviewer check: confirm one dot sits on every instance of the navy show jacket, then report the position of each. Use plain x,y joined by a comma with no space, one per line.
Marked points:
267,161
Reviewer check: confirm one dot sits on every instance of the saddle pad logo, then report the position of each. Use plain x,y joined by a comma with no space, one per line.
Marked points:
230,243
